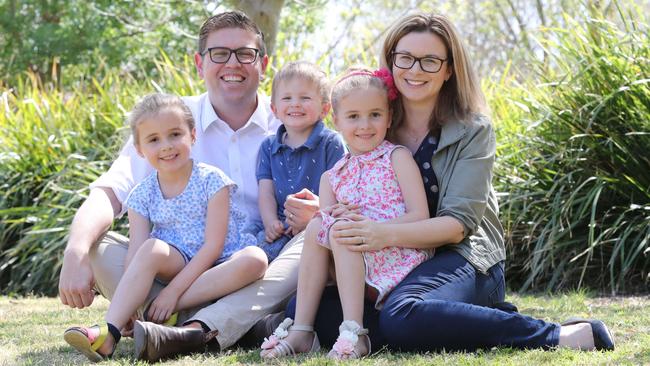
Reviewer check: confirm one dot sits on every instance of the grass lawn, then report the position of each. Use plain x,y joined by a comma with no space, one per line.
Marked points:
31,333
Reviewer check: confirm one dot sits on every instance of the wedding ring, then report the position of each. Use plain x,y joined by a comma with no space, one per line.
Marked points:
363,240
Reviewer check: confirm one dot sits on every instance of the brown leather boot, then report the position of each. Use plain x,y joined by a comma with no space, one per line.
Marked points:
154,342
262,329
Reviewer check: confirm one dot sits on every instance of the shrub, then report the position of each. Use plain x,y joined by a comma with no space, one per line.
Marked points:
575,172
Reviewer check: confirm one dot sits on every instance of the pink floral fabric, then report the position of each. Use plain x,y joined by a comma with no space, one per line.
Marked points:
369,181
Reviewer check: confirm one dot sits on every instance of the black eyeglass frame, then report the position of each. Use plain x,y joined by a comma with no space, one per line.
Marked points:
418,60
230,52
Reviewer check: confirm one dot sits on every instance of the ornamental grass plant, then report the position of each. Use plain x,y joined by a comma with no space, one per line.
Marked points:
573,165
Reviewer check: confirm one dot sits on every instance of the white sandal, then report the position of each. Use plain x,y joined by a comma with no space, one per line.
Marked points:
280,347
345,347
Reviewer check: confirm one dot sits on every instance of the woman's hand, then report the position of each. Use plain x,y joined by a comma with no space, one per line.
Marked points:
163,306
299,208
359,233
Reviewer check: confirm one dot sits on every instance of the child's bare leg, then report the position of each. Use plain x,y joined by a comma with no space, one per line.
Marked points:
244,267
350,271
312,278
153,258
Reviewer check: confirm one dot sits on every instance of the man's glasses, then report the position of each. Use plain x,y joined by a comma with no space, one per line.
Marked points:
427,64
221,55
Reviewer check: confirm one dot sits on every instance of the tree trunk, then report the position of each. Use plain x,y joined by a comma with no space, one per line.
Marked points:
266,14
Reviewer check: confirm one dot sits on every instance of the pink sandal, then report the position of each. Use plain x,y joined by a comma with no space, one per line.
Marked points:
346,344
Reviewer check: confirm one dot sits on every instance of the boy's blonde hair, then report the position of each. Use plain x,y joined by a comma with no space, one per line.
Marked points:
355,78
306,71
154,104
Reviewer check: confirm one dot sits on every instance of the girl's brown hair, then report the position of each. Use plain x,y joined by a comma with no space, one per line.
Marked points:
154,104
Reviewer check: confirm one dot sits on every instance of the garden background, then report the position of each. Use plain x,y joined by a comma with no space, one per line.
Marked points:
568,83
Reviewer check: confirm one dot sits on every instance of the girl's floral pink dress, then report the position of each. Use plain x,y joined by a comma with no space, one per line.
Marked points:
369,181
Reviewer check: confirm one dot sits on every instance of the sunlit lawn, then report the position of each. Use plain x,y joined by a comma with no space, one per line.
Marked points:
31,332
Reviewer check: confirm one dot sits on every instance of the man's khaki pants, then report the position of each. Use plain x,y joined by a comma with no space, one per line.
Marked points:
233,315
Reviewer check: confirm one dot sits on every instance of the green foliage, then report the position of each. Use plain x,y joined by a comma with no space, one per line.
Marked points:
574,162
48,37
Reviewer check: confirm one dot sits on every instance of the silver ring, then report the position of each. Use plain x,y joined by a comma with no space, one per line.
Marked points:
363,240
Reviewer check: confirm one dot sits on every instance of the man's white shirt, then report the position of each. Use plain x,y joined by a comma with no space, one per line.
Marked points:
234,152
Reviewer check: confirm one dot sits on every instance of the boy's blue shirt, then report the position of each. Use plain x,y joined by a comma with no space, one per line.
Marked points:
294,169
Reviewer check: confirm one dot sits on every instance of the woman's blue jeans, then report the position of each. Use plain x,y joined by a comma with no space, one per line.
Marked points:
444,303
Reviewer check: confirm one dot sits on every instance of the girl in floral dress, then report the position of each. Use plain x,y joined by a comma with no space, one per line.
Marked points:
377,179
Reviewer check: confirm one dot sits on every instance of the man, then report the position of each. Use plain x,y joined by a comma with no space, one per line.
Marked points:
232,120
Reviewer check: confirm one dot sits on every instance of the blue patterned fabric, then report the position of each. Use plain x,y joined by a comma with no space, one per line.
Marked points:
272,250
294,169
180,221
423,158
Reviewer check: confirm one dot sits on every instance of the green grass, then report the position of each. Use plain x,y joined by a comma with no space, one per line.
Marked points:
31,332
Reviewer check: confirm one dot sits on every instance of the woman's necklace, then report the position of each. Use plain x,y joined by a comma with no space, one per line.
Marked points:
414,139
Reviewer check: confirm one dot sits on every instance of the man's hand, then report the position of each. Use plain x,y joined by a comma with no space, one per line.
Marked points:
299,208
76,281
93,218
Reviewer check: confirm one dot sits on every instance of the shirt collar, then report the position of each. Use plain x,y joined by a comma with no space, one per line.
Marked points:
260,117
374,154
312,141
452,131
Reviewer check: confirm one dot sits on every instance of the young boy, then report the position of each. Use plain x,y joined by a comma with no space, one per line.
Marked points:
298,154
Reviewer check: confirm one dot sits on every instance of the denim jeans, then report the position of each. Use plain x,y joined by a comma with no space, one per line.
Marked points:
444,303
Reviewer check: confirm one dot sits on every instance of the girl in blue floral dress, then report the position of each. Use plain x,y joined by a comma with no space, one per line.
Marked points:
184,230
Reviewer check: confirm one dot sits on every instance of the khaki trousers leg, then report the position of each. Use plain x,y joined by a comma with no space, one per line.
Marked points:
233,315
107,262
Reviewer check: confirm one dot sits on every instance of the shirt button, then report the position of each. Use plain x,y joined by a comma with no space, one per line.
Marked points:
233,139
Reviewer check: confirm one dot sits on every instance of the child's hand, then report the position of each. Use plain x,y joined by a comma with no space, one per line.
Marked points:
342,209
163,306
127,330
274,231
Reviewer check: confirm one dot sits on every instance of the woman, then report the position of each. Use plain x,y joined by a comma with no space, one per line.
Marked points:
455,299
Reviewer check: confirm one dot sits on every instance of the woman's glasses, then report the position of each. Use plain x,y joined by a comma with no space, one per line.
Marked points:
427,64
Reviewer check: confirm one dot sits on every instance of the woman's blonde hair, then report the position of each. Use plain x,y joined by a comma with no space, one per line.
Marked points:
154,104
459,96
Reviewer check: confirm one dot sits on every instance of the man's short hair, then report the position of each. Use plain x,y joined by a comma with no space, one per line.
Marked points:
230,19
